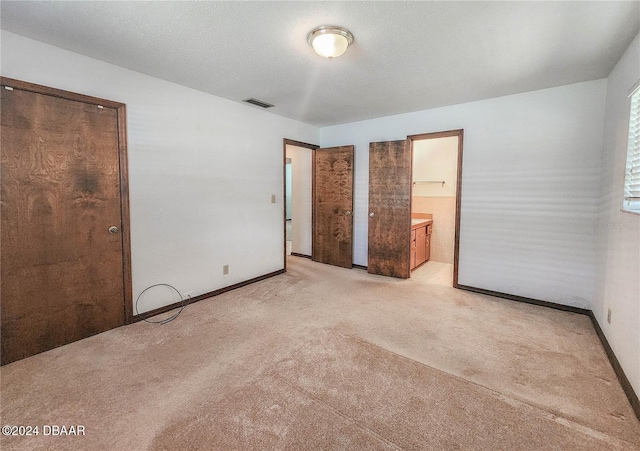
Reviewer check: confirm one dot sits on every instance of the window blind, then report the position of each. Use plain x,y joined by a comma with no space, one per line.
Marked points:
632,176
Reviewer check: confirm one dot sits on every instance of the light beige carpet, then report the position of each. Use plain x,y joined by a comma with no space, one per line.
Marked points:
328,358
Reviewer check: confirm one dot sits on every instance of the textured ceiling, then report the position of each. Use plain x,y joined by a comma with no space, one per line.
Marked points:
407,56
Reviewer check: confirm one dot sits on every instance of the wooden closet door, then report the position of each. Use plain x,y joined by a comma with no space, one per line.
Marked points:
62,269
389,208
333,209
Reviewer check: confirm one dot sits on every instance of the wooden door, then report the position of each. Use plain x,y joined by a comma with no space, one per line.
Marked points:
333,207
389,208
63,271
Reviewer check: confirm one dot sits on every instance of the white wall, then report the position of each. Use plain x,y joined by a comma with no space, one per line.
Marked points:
531,165
201,169
435,159
300,199
618,233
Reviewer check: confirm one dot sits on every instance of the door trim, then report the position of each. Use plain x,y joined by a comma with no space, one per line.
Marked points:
312,147
446,134
123,173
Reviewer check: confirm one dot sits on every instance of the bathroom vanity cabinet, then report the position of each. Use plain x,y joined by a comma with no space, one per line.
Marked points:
420,241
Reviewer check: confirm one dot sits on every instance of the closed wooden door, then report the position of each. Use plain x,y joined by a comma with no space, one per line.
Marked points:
389,208
333,207
62,245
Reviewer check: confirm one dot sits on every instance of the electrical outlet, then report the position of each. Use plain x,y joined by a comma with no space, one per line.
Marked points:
609,316
273,198
187,294
225,270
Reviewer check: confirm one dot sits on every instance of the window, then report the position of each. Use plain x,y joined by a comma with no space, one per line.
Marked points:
632,175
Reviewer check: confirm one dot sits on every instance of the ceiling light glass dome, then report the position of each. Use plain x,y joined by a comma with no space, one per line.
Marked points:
330,41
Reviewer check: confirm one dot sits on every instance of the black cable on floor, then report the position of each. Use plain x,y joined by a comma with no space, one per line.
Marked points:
172,317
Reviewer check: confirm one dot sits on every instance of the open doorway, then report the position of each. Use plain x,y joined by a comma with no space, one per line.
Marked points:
435,206
298,195
287,205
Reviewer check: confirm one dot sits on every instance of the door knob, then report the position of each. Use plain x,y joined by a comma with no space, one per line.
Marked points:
348,213
113,230
371,215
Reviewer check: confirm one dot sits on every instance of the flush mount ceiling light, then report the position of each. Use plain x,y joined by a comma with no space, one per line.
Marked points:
329,41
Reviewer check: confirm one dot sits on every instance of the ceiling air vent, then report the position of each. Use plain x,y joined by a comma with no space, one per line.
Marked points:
257,102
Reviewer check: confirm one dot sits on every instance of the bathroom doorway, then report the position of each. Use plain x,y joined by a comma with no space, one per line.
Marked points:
435,206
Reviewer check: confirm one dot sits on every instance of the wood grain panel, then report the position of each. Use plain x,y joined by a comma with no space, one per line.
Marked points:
62,271
390,203
333,207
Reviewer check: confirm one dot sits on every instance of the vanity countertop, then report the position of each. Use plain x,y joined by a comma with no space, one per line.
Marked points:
420,222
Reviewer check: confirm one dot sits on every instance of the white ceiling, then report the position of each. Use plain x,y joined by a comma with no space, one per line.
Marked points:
407,56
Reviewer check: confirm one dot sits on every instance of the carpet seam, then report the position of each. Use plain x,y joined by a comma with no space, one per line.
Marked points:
336,411
553,416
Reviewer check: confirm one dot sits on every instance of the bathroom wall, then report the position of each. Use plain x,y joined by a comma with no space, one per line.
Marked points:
442,210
